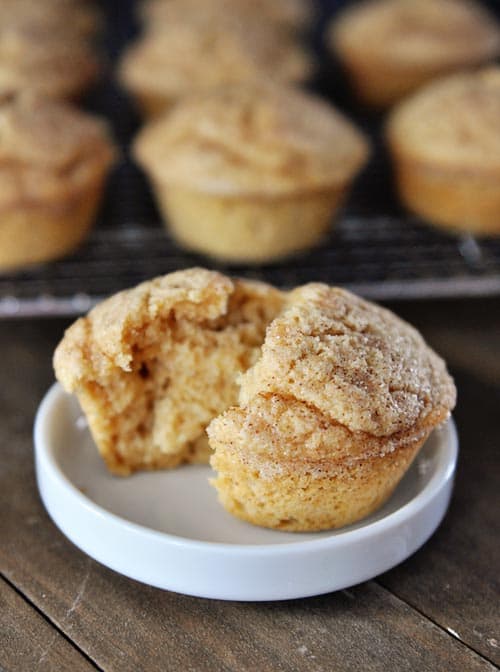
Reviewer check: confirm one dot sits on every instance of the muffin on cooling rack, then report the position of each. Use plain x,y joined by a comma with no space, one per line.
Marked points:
331,415
69,17
251,173
190,55
151,366
445,143
390,47
53,164
295,15
54,64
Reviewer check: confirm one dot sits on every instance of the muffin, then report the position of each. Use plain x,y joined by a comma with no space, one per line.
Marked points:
331,415
53,64
53,163
194,55
251,173
391,47
294,15
61,16
445,144
151,366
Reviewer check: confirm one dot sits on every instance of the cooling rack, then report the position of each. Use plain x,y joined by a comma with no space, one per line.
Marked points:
374,248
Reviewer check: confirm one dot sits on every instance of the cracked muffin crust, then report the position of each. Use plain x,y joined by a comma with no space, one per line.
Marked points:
445,144
391,47
151,366
331,415
251,173
53,163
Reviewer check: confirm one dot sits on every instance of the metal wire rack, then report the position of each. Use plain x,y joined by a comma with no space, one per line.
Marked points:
374,247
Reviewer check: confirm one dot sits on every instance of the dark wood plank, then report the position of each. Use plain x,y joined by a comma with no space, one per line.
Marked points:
123,625
126,626
454,579
29,642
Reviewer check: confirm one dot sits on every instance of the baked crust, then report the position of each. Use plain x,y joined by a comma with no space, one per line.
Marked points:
330,416
188,56
391,47
258,140
354,361
34,57
53,163
48,151
445,143
153,365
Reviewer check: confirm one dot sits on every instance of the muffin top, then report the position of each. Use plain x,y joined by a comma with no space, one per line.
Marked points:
453,122
354,362
68,16
440,33
290,14
187,55
257,139
34,57
47,147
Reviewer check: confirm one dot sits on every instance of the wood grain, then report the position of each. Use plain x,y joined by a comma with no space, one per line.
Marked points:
454,579
123,625
29,642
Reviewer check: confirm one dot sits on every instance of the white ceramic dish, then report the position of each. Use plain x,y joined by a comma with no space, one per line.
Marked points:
167,529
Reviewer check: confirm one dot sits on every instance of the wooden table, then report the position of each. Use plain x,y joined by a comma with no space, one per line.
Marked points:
60,610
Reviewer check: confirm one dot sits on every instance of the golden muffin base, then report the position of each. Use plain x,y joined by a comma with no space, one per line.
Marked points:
463,201
33,232
283,464
247,229
299,502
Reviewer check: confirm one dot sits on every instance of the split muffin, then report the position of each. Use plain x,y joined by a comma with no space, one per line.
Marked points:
152,366
54,160
197,53
445,144
331,415
295,15
251,173
391,47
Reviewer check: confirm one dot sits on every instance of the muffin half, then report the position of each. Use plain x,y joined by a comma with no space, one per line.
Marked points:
152,366
251,173
391,47
331,415
54,160
445,143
